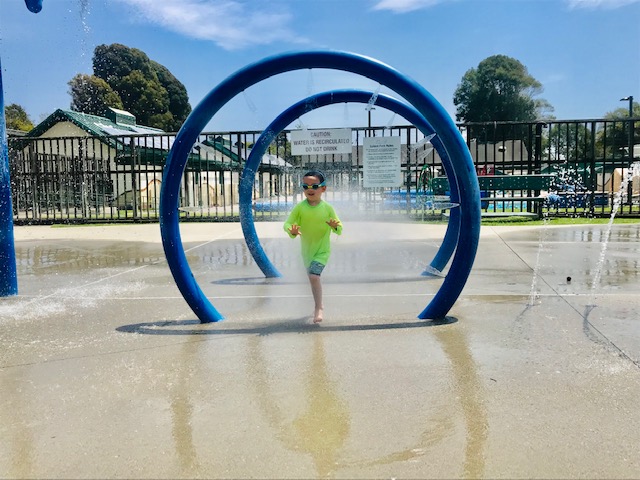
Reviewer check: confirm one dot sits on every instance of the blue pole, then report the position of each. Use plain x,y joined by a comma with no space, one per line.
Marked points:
8,275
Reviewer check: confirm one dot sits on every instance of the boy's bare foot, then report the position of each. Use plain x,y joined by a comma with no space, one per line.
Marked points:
317,315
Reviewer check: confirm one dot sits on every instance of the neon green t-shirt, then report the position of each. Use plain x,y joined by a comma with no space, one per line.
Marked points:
314,230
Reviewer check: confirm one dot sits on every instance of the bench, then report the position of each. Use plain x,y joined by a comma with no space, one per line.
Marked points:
496,188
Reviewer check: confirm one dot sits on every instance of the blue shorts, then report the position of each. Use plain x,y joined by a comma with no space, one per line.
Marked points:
315,268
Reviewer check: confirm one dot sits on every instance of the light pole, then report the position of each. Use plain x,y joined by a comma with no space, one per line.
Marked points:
630,99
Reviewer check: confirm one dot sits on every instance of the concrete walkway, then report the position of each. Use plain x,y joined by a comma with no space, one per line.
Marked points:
106,373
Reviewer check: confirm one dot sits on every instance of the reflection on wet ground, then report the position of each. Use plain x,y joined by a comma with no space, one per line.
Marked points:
583,233
348,265
105,372
321,428
38,258
573,253
35,258
469,391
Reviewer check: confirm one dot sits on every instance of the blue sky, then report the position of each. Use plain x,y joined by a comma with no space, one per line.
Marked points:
586,53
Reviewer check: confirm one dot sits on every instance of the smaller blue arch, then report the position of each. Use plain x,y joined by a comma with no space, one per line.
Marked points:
321,100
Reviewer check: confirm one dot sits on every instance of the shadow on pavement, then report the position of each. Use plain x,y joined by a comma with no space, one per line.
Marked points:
300,325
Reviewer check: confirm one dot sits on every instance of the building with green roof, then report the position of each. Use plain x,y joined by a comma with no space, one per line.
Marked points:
82,161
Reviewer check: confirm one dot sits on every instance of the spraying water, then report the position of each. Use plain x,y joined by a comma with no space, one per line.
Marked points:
632,172
533,294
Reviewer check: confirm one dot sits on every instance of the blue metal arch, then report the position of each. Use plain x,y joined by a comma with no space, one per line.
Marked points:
321,100
34,5
415,94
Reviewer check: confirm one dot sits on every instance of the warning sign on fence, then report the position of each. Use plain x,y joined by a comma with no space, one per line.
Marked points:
321,141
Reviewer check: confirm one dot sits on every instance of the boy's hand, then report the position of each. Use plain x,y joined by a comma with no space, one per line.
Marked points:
295,230
333,223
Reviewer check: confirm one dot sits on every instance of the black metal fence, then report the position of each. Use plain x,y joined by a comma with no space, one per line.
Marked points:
118,178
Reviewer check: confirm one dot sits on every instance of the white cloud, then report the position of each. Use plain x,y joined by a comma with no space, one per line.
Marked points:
231,24
404,6
594,4
554,78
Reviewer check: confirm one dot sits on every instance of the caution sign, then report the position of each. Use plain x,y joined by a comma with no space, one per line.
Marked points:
321,141
381,162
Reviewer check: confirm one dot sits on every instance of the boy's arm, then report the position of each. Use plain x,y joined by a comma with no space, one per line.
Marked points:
292,220
334,222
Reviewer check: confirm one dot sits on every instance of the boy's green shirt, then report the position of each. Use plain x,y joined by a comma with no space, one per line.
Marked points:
315,231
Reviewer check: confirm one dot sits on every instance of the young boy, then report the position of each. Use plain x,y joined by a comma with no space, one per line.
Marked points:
313,220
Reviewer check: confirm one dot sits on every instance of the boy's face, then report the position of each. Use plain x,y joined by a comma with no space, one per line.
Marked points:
310,193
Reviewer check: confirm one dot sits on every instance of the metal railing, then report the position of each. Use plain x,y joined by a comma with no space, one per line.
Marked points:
118,178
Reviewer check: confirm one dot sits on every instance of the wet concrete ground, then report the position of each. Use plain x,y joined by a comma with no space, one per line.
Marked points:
105,372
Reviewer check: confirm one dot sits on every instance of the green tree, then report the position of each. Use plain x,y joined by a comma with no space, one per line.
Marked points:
113,62
570,142
500,89
160,100
90,94
147,89
613,138
16,118
143,96
281,147
179,106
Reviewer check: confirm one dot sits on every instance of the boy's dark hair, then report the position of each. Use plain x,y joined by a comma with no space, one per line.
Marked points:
315,173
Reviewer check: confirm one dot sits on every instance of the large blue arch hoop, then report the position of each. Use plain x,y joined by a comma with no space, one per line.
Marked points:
415,94
321,100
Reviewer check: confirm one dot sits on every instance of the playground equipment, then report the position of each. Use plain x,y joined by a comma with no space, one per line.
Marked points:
8,275
452,144
320,100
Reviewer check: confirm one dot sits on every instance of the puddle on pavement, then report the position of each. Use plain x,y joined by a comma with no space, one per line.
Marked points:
580,233
38,258
378,262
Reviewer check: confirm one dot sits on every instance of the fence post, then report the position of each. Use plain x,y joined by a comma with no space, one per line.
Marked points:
538,207
593,176
134,179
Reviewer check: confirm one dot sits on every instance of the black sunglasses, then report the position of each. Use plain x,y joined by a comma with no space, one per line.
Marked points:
315,186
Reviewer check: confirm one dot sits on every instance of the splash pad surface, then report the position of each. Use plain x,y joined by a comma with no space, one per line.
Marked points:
103,365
